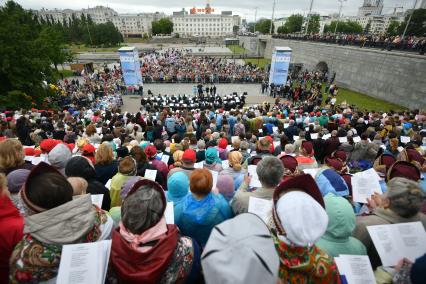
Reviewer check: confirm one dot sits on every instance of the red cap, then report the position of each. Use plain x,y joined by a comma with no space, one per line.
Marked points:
334,163
189,155
48,144
71,146
88,149
339,154
150,151
289,162
223,143
307,145
31,152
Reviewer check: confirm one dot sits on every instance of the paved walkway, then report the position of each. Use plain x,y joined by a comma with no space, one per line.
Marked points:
254,95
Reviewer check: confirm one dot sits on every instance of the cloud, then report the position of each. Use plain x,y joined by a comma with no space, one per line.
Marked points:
244,8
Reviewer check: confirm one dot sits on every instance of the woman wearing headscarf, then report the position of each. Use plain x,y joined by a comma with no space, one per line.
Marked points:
147,250
126,169
341,222
15,181
298,222
142,163
53,219
177,188
400,204
225,186
11,229
222,148
212,162
235,169
106,166
201,210
305,158
82,167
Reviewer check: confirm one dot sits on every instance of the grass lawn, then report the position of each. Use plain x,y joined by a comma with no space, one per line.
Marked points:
82,48
66,73
135,40
364,101
261,62
236,49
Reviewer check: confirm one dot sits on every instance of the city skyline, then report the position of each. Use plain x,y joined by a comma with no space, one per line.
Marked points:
283,8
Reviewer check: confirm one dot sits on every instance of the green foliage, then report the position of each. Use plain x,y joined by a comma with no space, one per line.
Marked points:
282,30
294,23
314,24
263,26
348,27
393,28
27,51
105,35
417,24
163,26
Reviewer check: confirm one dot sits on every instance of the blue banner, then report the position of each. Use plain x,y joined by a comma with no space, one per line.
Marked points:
279,65
130,66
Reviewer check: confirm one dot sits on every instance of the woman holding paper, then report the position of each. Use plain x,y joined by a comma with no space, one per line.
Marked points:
400,204
235,169
53,219
145,249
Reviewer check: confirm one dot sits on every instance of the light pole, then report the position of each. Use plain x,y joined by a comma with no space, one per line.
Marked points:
272,19
309,16
255,19
340,13
409,19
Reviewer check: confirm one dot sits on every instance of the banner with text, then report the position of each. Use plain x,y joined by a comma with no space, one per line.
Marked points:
279,65
130,66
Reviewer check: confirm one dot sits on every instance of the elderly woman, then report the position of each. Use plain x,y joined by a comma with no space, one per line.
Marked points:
147,250
270,171
106,166
12,156
201,153
212,162
82,167
235,169
225,186
91,134
53,219
177,188
142,163
400,204
201,210
298,221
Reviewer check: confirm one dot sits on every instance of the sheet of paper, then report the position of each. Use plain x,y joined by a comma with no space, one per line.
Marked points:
168,149
198,165
37,160
405,139
314,136
356,139
85,263
225,164
312,172
400,149
286,125
275,129
229,148
356,269
254,178
295,137
260,207
97,199
343,139
99,130
276,143
214,174
260,130
165,159
396,241
169,214
108,184
326,136
150,174
365,184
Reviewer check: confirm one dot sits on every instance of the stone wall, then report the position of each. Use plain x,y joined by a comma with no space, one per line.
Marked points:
396,77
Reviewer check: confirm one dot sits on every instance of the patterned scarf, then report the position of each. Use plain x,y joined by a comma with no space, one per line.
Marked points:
305,265
33,261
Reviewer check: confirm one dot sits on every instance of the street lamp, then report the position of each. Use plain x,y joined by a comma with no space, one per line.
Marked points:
309,16
340,13
409,19
272,19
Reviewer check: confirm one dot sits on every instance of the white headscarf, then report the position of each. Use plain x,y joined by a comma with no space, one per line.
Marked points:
303,219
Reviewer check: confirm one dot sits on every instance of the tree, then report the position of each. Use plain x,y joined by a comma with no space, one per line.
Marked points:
263,26
367,27
25,58
162,26
393,28
417,24
349,27
282,30
294,23
314,24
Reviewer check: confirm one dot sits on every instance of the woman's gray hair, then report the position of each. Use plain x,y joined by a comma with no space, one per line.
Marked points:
142,210
405,196
201,145
270,171
244,145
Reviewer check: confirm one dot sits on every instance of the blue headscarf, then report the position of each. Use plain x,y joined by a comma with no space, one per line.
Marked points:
329,180
178,187
212,156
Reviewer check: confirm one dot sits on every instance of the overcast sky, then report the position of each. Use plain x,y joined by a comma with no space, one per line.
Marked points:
244,8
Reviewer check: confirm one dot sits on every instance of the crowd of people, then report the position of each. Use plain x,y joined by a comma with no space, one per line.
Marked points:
409,43
177,65
211,162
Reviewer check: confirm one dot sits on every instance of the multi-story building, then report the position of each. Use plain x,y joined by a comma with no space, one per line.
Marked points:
202,22
129,25
379,23
370,7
